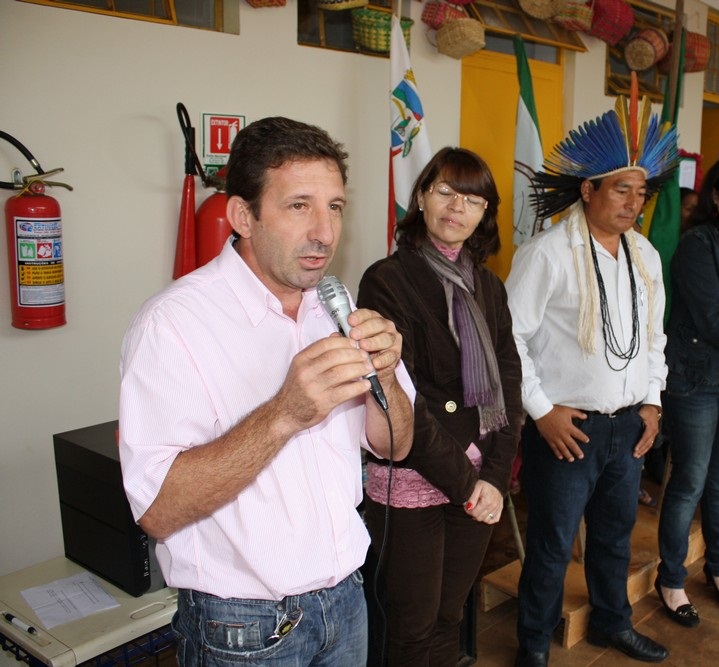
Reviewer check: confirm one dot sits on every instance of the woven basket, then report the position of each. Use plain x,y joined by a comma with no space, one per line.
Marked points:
696,54
372,30
646,48
460,38
541,9
436,13
267,3
337,5
575,16
612,20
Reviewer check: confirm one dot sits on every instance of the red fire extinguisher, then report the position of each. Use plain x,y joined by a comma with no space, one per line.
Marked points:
35,254
201,234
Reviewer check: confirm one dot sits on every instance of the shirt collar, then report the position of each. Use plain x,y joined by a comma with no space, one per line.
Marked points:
252,293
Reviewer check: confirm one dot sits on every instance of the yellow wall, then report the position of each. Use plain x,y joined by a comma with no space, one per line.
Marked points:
710,137
490,91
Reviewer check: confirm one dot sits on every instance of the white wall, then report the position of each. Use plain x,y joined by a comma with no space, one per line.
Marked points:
97,96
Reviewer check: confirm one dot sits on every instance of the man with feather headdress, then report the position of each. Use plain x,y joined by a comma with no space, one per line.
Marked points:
587,303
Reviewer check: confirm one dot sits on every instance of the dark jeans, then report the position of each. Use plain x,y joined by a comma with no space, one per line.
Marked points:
431,561
603,487
692,413
217,632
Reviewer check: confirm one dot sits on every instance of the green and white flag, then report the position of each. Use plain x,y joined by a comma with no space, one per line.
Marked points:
528,155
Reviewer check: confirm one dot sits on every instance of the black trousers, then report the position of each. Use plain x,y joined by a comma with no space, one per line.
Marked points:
431,561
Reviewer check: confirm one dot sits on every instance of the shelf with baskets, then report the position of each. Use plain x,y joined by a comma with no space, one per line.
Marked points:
651,23
360,26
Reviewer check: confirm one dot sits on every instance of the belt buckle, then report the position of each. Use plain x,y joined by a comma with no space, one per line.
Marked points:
621,411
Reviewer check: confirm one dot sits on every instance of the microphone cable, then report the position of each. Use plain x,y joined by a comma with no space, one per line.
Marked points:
334,298
380,555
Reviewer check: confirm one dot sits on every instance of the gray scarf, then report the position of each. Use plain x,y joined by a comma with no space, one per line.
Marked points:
480,372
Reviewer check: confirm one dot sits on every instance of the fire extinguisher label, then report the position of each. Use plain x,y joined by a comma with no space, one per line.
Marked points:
41,276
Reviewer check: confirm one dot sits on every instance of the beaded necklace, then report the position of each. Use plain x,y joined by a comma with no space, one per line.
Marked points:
611,344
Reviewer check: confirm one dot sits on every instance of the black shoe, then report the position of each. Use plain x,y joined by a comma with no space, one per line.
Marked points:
631,643
685,614
710,579
527,658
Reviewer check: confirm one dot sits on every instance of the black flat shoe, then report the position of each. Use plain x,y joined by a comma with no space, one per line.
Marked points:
629,642
710,579
685,614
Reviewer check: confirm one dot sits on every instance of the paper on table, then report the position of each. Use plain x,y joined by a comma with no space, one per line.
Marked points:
68,599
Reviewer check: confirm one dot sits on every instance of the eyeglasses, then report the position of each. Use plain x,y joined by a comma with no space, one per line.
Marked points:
445,194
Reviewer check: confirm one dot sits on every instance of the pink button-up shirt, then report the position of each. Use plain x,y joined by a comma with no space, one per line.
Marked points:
196,359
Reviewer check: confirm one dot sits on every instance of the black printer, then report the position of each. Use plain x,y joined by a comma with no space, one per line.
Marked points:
98,529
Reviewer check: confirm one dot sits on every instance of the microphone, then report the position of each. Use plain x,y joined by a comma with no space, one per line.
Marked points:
333,296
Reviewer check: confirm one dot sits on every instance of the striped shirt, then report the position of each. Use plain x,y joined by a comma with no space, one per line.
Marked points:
196,359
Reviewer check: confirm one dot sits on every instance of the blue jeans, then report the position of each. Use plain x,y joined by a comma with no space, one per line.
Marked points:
692,414
603,486
331,630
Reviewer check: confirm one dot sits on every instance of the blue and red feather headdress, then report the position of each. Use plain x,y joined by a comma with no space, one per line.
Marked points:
627,137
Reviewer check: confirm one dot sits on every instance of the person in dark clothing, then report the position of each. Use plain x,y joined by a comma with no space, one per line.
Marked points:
458,348
691,401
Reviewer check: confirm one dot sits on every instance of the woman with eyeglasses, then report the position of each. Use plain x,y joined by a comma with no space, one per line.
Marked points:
446,496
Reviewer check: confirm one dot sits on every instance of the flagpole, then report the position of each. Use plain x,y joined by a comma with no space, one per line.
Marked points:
676,54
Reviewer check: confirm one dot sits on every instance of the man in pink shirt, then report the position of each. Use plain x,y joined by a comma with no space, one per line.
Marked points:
242,415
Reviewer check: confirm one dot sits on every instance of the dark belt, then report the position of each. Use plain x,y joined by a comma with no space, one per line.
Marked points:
612,415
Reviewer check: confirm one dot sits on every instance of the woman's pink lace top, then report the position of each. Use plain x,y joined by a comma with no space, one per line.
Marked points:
409,488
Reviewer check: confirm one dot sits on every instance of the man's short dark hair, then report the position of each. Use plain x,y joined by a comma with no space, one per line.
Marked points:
268,144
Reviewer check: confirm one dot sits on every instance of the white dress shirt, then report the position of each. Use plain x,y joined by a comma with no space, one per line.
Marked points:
196,359
544,300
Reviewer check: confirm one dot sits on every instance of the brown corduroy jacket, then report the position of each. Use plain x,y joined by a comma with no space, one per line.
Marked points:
404,289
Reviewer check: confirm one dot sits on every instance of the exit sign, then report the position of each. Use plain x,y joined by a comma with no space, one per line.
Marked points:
218,131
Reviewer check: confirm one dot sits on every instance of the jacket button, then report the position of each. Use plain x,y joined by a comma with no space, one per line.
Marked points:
695,340
450,406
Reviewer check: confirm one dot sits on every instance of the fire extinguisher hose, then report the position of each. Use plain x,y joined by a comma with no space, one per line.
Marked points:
26,181
190,153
